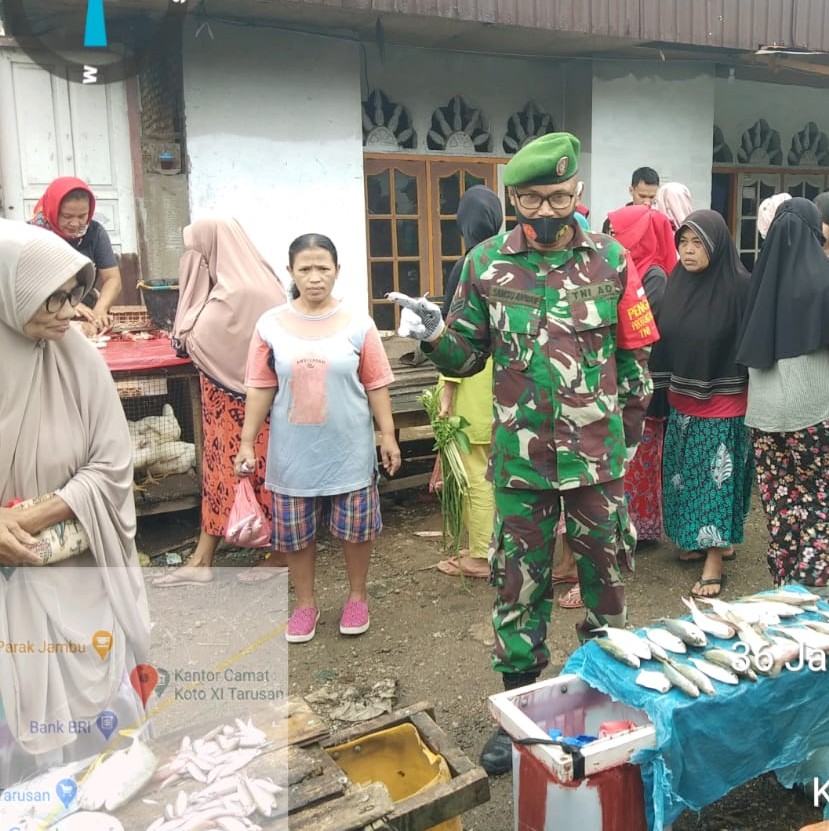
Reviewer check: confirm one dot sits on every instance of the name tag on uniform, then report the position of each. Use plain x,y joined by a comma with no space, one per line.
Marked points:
502,294
598,291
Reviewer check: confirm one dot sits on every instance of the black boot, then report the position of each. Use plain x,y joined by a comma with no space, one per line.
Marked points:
496,757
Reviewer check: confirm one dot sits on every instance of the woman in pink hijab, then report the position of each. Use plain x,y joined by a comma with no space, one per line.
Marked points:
225,287
674,200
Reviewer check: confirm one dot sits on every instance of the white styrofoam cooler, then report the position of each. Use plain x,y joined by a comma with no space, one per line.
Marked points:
554,790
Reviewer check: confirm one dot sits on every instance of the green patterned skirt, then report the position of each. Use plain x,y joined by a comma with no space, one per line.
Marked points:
707,471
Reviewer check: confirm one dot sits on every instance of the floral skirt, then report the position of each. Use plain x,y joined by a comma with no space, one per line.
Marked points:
793,477
223,414
643,482
706,480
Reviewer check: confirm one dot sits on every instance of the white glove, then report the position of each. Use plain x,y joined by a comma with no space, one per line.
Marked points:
419,318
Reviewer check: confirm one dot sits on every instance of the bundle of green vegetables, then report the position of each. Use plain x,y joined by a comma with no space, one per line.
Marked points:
450,442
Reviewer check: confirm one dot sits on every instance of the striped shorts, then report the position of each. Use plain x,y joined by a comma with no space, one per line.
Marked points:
351,517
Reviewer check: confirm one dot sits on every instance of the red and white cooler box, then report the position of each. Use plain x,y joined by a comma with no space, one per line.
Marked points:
594,788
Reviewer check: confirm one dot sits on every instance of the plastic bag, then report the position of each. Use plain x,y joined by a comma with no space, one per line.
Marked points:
247,525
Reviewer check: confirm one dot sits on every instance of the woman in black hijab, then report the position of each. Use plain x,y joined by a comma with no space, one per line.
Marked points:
785,344
706,467
822,204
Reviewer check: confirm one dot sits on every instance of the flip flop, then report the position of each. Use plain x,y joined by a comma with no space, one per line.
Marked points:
171,580
701,557
711,581
260,574
453,568
572,598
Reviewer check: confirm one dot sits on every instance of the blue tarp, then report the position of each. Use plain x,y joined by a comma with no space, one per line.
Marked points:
707,746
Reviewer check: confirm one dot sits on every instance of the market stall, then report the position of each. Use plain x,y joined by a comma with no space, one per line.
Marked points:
162,403
626,742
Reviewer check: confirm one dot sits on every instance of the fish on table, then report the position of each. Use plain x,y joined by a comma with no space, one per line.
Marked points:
685,630
665,639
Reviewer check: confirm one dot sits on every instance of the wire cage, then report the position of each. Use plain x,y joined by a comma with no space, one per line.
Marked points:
164,426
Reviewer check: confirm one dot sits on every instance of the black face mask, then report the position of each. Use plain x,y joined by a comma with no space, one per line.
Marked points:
544,230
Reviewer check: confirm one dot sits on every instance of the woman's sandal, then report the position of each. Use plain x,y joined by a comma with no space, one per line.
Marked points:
571,599
711,581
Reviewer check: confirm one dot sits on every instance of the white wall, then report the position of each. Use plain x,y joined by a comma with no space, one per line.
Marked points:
786,108
424,79
274,139
658,115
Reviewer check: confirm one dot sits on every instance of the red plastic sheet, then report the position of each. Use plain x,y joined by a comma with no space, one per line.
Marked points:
141,355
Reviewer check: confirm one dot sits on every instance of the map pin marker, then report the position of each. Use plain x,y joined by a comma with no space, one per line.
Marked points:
163,681
144,679
107,722
102,642
66,790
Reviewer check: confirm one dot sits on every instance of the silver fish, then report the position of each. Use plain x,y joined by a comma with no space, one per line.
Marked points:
749,612
817,625
750,636
665,639
773,607
653,679
696,677
808,637
715,671
679,680
617,651
796,598
737,663
116,779
716,628
685,631
627,640
657,651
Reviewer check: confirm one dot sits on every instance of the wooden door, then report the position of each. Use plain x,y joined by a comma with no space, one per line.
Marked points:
49,128
448,181
396,230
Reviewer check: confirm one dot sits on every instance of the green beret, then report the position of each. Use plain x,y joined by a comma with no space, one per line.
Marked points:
547,160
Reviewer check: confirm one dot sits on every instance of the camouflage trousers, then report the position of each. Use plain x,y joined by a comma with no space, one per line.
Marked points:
521,561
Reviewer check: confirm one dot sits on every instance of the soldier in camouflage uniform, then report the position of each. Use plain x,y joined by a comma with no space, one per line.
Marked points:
545,300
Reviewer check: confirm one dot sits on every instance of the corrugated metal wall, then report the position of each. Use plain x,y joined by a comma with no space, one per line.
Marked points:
732,24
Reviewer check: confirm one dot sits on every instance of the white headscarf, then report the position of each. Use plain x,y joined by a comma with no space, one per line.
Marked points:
767,210
63,430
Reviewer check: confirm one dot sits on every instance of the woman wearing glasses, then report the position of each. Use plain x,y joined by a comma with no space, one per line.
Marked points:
65,441
66,208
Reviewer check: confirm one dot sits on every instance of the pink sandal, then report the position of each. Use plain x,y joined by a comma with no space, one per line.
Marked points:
571,599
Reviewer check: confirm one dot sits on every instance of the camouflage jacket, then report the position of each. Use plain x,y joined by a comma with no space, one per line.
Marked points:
566,399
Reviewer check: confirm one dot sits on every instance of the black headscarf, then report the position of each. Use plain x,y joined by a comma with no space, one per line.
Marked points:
822,204
480,216
788,305
700,319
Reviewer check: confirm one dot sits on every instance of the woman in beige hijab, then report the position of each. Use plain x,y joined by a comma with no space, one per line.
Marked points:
225,286
63,436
